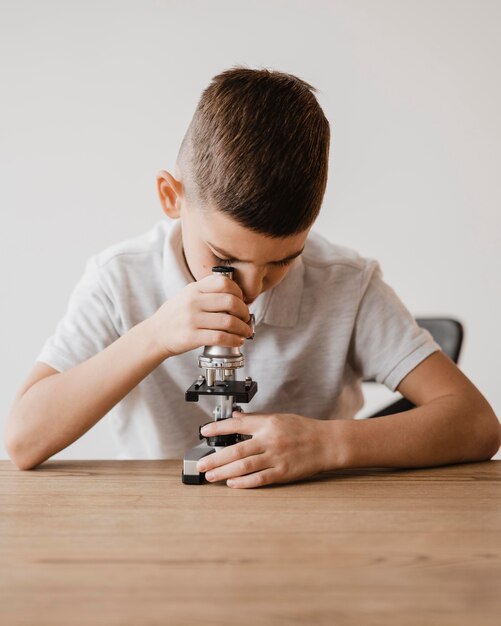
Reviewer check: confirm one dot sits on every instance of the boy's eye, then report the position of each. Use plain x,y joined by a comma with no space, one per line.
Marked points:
224,261
230,261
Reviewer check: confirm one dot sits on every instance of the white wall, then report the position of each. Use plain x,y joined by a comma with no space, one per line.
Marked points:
96,96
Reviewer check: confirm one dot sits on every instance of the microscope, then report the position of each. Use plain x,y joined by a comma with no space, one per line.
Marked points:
220,364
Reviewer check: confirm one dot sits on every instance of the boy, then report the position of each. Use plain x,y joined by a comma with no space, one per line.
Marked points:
249,182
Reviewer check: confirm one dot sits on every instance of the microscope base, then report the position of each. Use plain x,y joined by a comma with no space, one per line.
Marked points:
191,476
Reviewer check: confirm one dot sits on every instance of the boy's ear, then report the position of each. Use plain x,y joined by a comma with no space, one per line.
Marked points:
170,192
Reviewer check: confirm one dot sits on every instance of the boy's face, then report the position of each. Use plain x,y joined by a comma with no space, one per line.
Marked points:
211,238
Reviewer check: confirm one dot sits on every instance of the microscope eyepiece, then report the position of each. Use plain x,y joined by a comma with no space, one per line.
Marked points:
223,269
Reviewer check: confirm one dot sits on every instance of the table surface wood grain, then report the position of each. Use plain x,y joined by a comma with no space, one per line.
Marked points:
125,542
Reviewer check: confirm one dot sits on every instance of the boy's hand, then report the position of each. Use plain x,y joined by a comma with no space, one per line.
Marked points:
284,447
208,312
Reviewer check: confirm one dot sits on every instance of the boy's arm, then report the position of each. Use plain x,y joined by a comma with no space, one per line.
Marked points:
452,423
54,409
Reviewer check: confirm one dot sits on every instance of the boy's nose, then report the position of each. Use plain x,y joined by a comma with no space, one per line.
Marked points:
249,299
251,285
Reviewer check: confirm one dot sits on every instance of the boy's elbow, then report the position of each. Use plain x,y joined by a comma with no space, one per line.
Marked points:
495,441
490,438
17,452
22,464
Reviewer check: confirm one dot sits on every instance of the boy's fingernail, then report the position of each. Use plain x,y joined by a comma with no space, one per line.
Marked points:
203,430
201,467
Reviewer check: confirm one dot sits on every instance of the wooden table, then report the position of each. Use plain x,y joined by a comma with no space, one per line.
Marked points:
125,542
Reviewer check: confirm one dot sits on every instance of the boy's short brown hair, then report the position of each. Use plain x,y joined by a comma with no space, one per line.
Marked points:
257,150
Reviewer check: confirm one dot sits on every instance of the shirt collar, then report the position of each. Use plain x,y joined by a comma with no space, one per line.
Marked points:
279,306
285,298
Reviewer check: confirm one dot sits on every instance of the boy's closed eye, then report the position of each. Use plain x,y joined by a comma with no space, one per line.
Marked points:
231,261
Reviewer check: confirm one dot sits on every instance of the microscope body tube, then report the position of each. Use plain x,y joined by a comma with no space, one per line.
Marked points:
220,363
224,407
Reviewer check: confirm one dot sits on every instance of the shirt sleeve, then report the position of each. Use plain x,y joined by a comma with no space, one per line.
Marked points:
90,324
387,341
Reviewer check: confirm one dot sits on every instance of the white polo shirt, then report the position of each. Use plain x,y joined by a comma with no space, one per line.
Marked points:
330,323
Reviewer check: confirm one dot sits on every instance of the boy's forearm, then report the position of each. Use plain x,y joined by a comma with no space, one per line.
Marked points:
59,409
446,430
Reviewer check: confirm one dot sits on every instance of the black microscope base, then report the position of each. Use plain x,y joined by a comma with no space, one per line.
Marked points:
189,479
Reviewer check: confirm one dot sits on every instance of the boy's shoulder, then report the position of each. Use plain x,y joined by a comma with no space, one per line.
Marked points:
321,253
147,244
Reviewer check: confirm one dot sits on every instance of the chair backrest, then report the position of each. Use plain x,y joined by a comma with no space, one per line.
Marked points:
448,333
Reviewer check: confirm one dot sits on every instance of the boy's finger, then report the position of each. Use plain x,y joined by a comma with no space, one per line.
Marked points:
256,479
244,425
219,284
231,303
206,337
230,454
248,465
225,323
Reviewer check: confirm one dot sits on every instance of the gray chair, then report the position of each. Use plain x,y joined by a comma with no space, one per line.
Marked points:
448,333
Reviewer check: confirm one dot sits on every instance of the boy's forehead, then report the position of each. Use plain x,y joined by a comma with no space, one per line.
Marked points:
225,235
